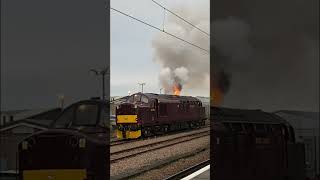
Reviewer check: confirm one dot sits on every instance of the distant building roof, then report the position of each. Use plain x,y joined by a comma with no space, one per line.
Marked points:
119,99
43,119
33,113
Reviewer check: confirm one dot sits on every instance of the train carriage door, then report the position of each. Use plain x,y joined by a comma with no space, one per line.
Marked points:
156,107
153,110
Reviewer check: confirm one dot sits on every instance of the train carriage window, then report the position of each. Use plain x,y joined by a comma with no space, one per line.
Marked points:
144,99
163,109
86,114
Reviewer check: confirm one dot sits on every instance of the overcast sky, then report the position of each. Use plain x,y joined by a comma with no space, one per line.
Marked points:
47,49
131,52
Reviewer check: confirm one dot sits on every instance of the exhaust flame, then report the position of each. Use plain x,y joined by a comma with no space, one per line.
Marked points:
176,88
216,97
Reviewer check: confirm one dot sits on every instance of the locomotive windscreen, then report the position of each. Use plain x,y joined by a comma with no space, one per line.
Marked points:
78,115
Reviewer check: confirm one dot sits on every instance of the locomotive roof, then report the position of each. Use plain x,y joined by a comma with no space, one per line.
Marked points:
245,115
167,97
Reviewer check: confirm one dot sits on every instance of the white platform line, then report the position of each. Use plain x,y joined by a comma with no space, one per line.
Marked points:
191,176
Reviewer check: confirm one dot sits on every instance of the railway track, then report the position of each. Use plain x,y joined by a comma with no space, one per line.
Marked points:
134,151
120,142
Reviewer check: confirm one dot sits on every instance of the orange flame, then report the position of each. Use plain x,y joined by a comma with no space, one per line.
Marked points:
216,97
176,90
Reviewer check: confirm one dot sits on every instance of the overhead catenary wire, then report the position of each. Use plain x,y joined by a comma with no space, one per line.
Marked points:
161,30
166,9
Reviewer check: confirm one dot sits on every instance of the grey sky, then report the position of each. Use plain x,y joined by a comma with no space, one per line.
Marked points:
48,48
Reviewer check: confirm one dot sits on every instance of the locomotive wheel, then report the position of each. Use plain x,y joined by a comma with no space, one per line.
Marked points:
191,125
197,124
146,132
165,128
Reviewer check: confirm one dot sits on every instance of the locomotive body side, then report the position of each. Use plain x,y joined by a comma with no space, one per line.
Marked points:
149,114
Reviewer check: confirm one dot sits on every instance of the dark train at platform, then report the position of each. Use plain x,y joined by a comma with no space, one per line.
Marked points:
147,114
252,144
76,146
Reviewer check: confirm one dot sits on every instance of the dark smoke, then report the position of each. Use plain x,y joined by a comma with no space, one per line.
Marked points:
266,53
177,84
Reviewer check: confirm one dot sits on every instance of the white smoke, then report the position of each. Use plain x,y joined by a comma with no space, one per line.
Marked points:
182,74
180,62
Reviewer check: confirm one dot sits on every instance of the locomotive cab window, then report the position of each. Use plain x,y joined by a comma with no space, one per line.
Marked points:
65,118
86,114
144,99
136,98
130,99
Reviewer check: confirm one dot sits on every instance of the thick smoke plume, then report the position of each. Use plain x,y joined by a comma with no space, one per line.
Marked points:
182,65
266,54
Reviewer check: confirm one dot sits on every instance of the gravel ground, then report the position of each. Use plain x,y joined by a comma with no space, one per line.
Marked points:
156,157
154,139
175,167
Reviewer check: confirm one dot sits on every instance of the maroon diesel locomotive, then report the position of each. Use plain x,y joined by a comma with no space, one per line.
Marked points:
146,114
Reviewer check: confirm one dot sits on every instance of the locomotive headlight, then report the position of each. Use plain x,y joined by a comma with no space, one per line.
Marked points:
135,106
82,143
24,145
28,143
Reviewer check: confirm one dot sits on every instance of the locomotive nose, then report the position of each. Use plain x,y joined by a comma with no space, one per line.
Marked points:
52,150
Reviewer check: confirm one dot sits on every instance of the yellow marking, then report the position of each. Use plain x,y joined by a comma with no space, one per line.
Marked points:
129,134
127,118
55,174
